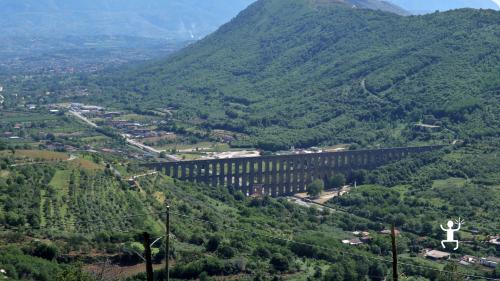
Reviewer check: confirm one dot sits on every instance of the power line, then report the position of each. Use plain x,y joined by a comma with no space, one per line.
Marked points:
82,222
255,233
327,248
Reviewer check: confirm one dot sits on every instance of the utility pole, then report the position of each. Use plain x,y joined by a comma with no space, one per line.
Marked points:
147,253
167,245
394,255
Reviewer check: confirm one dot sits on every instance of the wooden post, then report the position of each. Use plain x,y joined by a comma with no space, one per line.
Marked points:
394,255
167,245
147,254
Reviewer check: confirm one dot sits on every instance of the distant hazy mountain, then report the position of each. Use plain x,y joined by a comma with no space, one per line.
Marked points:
171,19
426,6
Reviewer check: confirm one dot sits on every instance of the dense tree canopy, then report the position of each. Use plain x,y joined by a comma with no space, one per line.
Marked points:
293,73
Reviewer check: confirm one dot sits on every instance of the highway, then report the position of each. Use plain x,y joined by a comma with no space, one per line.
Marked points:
127,138
83,118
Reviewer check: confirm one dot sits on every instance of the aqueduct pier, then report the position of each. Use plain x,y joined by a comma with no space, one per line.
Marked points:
283,174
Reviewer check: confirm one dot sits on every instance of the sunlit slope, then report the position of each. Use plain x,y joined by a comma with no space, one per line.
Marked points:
309,72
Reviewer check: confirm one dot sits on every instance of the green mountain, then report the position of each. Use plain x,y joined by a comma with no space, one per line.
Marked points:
314,72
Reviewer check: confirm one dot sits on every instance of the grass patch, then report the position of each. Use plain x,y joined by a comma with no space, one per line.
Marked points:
450,182
86,165
37,154
159,196
20,117
4,174
60,181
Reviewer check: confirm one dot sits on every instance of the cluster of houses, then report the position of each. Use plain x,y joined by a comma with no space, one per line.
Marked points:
467,260
15,134
57,146
137,129
362,237
86,109
132,128
495,240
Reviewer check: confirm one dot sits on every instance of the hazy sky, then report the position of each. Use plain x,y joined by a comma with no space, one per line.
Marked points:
497,1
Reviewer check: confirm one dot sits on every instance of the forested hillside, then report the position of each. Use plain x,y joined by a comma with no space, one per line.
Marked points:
55,214
315,72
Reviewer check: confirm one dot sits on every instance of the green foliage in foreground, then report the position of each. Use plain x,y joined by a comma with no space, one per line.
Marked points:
19,266
217,232
302,73
56,198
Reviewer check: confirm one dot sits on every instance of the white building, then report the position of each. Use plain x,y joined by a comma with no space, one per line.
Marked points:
490,262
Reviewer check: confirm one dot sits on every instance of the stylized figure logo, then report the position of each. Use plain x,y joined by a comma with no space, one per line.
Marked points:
450,233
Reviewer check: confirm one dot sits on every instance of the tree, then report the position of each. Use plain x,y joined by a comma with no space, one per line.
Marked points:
280,262
262,252
377,272
204,277
315,188
213,243
226,251
334,273
336,181
73,274
45,251
427,228
359,176
450,273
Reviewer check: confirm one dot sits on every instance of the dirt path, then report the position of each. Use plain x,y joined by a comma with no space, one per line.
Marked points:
71,158
363,86
117,272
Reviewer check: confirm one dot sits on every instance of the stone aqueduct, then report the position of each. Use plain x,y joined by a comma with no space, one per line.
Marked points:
280,175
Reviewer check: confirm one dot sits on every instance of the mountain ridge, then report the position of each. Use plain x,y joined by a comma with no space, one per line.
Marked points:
430,6
290,75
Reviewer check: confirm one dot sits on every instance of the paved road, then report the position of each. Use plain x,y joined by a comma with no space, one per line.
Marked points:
143,175
126,137
83,118
307,203
140,145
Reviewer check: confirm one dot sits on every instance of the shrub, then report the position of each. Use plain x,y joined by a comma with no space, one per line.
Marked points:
280,262
45,251
262,252
213,243
226,251
336,181
315,188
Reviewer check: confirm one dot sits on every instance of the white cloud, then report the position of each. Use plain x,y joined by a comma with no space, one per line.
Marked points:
497,2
